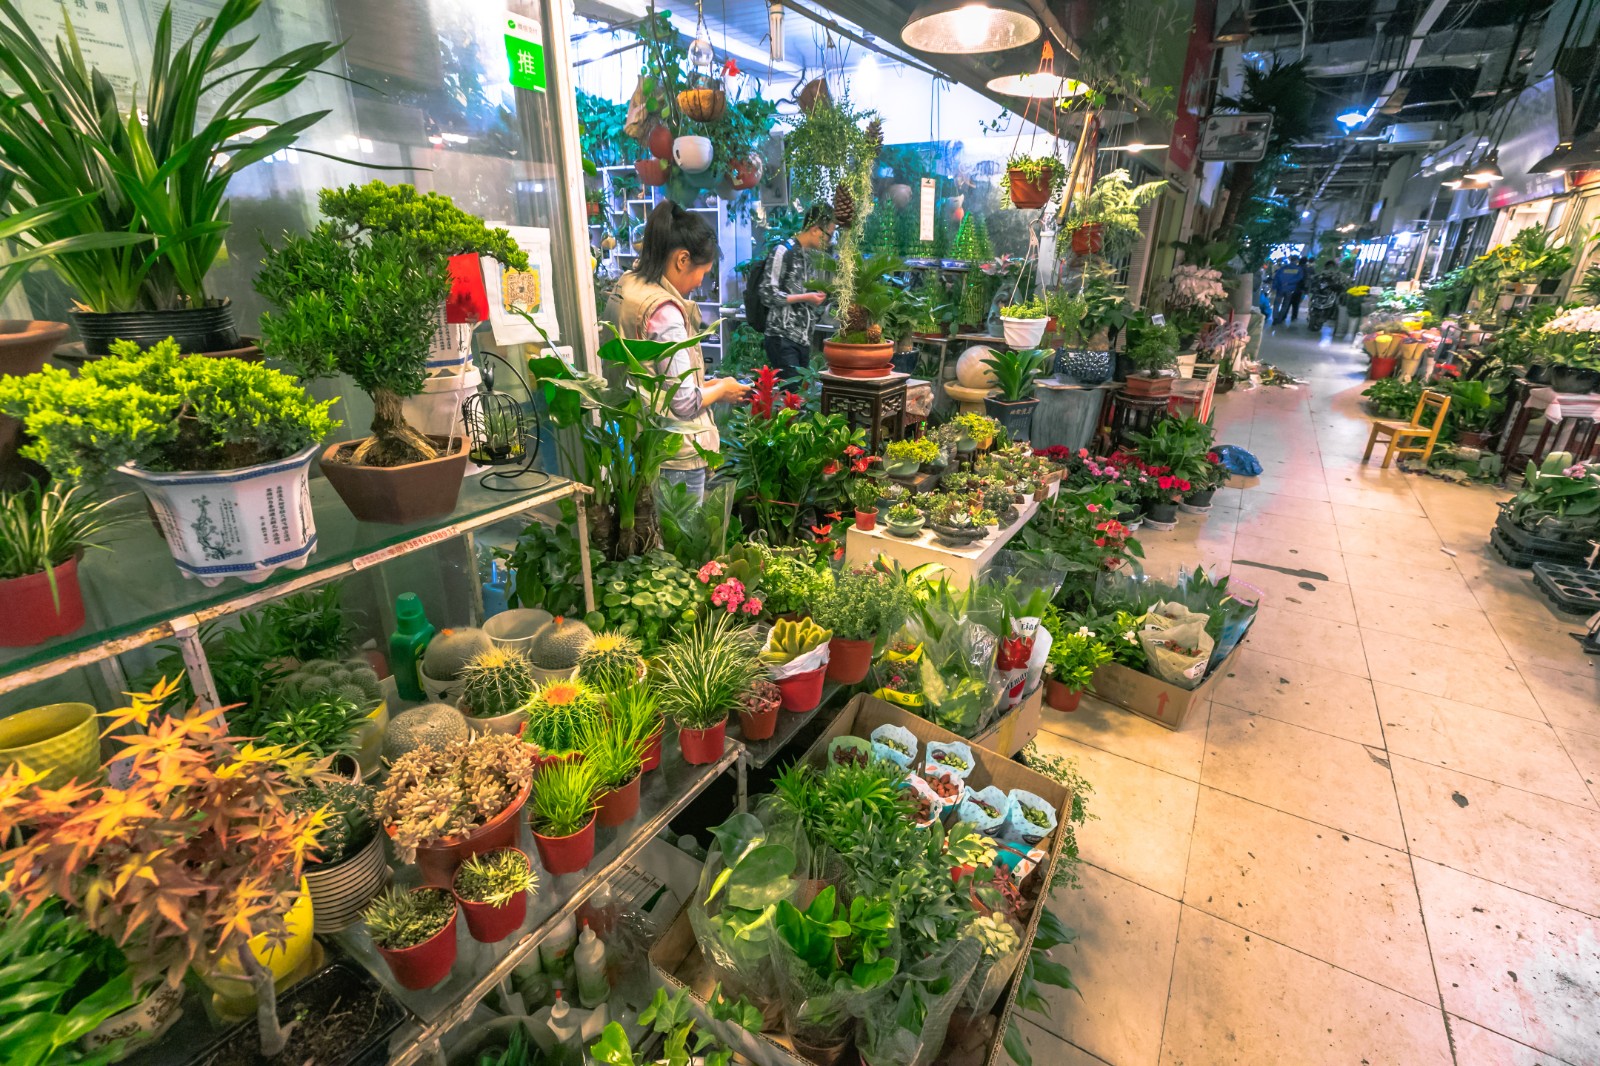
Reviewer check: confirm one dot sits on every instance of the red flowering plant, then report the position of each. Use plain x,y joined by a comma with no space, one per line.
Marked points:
1076,534
789,465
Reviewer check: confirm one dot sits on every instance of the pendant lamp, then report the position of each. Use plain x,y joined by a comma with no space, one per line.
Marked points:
964,26
1045,80
1487,171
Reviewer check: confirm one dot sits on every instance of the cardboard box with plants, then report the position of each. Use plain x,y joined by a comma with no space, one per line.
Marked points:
884,895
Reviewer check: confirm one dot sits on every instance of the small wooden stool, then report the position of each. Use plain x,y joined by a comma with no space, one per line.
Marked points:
877,405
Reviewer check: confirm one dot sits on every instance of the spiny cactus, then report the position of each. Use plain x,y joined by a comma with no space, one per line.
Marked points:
451,649
611,661
353,681
557,713
433,724
496,682
557,644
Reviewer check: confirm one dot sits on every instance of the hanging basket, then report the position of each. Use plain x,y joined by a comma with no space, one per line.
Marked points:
814,93
1035,193
704,105
747,173
659,141
1088,240
651,172
693,154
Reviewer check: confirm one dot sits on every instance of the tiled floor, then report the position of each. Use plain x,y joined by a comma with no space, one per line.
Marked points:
1380,842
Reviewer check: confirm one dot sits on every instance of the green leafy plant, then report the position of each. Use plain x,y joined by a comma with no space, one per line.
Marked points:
862,604
1392,397
564,800
496,877
1180,444
612,750
872,299
675,1019
323,727
648,597
790,579
1474,406
349,818
1558,499
311,625
1152,348
58,982
42,528
1113,204
162,410
1038,969
1017,371
921,449
600,130
126,200
903,514
399,919
546,568
1033,308
864,493
703,673
430,223
1032,168
636,709
788,463
695,529
558,713
432,795
1073,658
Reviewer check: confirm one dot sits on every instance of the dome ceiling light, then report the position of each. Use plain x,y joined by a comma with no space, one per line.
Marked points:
1045,80
961,26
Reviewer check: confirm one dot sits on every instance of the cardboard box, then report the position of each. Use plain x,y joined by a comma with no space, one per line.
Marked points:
676,957
1152,698
1012,731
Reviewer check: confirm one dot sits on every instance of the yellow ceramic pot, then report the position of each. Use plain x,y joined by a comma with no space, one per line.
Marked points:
369,740
61,738
287,961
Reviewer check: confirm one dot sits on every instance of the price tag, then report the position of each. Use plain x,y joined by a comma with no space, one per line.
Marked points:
1158,320
383,555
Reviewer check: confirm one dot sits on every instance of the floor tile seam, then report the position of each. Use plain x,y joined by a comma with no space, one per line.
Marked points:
1353,835
1505,653
1492,781
1284,721
1592,915
1554,1058
1107,751
1052,1034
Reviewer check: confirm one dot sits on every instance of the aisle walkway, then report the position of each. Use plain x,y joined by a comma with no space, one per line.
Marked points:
1380,843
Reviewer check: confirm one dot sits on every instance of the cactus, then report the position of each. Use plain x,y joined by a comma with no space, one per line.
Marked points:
352,681
433,724
449,652
558,712
557,644
791,639
610,661
497,682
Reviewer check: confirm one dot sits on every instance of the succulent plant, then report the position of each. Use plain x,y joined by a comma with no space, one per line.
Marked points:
558,643
351,819
497,682
353,680
611,661
433,724
435,794
496,877
450,650
557,714
397,920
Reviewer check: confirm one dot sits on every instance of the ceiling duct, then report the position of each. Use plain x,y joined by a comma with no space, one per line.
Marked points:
1414,133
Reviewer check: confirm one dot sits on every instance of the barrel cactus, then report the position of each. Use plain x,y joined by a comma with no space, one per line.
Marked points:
450,650
558,643
496,682
352,681
433,724
610,661
557,714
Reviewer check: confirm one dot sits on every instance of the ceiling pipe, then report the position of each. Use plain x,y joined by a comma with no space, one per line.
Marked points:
865,42
1419,34
1056,28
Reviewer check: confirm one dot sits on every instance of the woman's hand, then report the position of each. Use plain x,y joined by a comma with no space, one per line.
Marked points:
729,389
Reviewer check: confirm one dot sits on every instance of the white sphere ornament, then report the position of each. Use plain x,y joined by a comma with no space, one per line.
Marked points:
970,368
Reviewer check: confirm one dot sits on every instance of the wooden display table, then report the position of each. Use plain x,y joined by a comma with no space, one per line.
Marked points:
877,405
961,565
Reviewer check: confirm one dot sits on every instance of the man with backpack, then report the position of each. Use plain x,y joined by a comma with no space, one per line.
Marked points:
783,309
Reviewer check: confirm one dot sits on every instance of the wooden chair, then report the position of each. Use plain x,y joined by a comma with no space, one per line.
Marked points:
1438,403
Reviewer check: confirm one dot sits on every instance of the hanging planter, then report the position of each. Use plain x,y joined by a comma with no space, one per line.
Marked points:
652,172
1023,332
692,154
707,104
659,141
1034,193
1088,240
747,173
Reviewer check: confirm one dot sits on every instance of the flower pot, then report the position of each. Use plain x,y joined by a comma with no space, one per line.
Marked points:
141,1024
901,467
1085,366
1468,438
1088,240
289,960
1538,373
1572,379
1201,498
568,854
514,629
658,142
703,105
960,536
701,746
1022,332
427,963
758,724
1381,366
848,660
1015,415
652,750
617,805
26,344
60,739
436,410
859,360
196,329
692,154
907,529
341,891
747,173
1162,512
801,692
242,523
866,521
652,172
438,861
1149,387
32,614
1029,194
490,923
397,494
1059,697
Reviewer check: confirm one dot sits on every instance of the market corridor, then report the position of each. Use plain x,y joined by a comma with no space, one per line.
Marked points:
1380,843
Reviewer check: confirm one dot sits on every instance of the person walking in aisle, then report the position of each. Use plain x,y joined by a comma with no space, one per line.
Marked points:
1300,290
791,311
1289,278
648,303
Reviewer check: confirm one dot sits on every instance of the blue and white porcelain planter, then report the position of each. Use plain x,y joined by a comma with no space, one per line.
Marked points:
242,523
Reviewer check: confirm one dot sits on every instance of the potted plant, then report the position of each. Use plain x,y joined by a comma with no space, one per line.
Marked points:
611,661
173,423
903,458
492,890
249,928
612,750
637,709
1024,323
702,674
556,715
1016,374
1473,409
959,520
1151,350
495,685
1031,181
43,535
864,493
1106,222
415,932
792,658
904,520
859,609
442,806
973,432
316,682
562,817
865,296
594,203
1572,343
347,868
758,710
126,199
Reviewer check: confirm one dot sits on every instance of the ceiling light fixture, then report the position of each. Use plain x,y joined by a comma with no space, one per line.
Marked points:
1352,117
1487,171
1235,29
1045,80
957,26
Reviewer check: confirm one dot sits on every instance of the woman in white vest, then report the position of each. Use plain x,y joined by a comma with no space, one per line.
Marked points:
648,303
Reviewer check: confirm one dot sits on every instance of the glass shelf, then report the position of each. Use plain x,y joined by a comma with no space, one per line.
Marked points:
135,595
790,725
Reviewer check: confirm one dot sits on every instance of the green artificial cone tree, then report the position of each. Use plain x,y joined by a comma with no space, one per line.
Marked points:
972,240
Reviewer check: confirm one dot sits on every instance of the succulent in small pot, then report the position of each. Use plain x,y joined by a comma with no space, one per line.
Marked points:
43,535
612,751
347,868
904,519
562,815
556,715
703,674
492,889
495,685
758,710
611,661
415,932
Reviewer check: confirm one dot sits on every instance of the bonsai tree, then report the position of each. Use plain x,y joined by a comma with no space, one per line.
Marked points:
1152,348
865,309
1113,204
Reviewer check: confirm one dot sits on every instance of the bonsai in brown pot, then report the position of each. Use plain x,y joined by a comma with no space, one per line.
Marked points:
866,300
361,295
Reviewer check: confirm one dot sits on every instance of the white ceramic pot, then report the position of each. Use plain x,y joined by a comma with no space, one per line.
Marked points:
693,154
515,628
242,523
436,410
339,893
1023,332
440,691
140,1024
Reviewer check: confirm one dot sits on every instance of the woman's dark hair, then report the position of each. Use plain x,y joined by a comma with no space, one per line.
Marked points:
669,228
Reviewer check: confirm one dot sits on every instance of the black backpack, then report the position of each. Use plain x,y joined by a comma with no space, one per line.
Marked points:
755,311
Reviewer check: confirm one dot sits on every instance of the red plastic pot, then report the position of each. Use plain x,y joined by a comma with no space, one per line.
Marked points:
30,615
1027,194
426,964
652,750
867,521
802,692
568,854
1059,697
1382,366
659,142
490,923
848,661
701,746
438,862
758,725
617,805
1088,240
651,171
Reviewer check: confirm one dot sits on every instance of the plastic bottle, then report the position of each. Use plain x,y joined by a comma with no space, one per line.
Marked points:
412,631
599,911
557,948
554,1027
590,956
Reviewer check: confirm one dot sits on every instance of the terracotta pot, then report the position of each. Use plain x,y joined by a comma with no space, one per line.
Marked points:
1027,194
1466,438
438,861
703,105
759,724
1088,240
866,521
617,805
652,172
802,692
25,344
31,614
859,360
593,209
702,746
568,854
490,923
652,750
426,964
659,142
1147,387
399,494
747,173
848,660
1059,697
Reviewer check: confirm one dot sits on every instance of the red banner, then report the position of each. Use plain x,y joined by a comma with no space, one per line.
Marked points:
1194,91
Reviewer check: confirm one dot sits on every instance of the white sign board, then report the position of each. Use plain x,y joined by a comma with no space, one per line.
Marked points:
926,208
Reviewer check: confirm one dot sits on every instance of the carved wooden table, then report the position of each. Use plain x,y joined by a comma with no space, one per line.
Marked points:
877,405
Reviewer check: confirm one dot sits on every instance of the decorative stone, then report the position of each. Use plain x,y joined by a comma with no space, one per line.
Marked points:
970,369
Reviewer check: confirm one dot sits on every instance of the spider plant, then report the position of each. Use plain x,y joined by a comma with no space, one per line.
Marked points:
611,750
42,528
704,673
563,799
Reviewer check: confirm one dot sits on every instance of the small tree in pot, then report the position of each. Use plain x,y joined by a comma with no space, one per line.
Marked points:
859,608
1151,349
